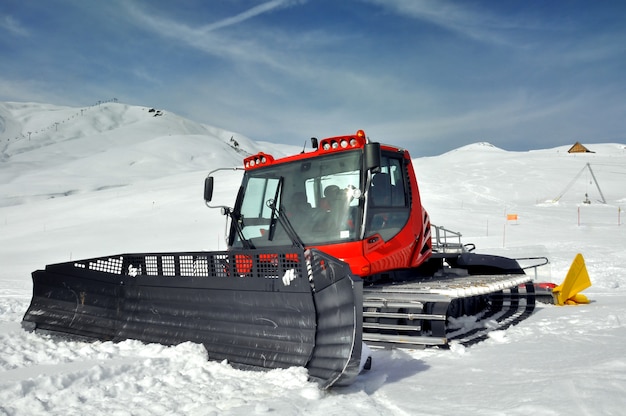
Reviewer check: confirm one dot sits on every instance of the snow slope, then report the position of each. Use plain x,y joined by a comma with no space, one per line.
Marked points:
115,178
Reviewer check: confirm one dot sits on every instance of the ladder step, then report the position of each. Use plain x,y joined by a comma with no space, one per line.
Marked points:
375,325
407,316
403,340
394,304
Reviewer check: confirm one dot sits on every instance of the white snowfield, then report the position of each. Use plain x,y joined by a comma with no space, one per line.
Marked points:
113,179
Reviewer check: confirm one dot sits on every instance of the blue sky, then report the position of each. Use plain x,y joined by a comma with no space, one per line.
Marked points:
427,75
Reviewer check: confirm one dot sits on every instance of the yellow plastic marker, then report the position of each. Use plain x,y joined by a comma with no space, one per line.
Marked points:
577,280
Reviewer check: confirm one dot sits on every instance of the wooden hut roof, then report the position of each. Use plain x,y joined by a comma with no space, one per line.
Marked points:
579,148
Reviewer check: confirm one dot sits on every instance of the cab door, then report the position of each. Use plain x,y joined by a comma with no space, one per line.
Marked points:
388,211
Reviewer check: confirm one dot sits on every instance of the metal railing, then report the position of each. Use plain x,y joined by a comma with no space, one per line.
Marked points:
448,241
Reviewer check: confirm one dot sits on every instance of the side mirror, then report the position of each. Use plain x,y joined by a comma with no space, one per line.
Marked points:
372,156
208,189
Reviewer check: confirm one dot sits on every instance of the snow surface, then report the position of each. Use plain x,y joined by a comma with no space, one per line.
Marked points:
114,178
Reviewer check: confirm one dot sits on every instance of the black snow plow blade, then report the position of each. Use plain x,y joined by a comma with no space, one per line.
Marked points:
255,308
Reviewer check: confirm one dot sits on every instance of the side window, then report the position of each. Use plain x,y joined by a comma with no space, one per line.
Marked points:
388,188
255,212
259,190
388,199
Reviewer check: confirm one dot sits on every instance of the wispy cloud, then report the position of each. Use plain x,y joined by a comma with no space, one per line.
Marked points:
250,13
13,26
258,51
210,40
459,17
145,75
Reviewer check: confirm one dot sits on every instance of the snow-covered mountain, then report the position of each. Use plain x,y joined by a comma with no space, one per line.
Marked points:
114,178
56,151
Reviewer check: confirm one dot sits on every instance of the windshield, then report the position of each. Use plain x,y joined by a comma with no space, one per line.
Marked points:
319,196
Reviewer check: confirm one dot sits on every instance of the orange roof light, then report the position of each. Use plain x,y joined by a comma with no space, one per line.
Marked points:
360,134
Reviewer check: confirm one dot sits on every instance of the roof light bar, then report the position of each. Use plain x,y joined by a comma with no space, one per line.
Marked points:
331,144
341,143
257,160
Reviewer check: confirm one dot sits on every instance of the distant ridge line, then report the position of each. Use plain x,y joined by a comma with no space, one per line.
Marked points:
30,135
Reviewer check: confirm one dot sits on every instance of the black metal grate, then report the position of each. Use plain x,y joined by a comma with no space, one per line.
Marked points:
274,264
112,265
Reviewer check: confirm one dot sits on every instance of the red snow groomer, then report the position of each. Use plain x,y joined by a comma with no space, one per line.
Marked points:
328,248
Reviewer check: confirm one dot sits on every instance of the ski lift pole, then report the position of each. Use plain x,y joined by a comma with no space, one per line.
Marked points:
597,184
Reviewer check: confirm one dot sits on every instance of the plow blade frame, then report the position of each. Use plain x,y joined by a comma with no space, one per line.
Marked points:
255,308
